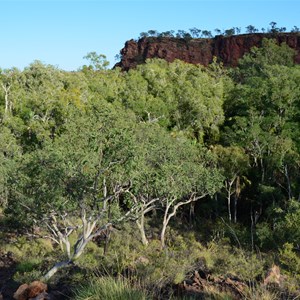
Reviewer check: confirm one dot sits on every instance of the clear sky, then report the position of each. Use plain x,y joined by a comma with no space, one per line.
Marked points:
61,32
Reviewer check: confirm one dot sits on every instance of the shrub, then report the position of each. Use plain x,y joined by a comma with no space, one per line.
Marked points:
290,262
24,249
27,276
226,260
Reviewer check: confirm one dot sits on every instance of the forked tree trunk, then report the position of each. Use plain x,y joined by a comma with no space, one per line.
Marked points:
168,215
229,193
162,235
87,235
147,206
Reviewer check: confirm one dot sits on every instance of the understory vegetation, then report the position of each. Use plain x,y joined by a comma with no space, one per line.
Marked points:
130,185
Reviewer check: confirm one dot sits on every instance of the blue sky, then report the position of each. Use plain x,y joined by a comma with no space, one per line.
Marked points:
61,32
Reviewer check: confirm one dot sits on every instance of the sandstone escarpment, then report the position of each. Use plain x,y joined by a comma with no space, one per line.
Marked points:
200,51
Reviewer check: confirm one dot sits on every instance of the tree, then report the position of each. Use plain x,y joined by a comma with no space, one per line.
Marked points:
168,34
143,35
153,33
295,29
206,33
261,117
9,153
218,31
229,32
258,59
195,32
234,163
237,30
273,29
74,183
97,62
146,176
8,81
251,29
90,228
183,34
187,178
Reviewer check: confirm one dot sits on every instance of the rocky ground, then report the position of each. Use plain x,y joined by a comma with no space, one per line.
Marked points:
199,284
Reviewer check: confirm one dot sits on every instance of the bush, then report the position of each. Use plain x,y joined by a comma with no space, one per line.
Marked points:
222,259
27,276
290,262
25,249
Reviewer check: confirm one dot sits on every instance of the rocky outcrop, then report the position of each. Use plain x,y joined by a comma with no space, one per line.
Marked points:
199,51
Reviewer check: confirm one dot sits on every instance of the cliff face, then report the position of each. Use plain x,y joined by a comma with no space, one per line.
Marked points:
199,51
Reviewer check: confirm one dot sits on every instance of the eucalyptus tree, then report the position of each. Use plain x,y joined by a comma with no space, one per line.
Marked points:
233,162
198,95
179,96
195,32
9,82
148,92
188,175
97,61
251,29
73,184
39,98
171,171
9,153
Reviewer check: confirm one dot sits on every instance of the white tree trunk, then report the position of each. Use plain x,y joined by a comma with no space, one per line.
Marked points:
168,215
229,193
141,226
8,104
55,268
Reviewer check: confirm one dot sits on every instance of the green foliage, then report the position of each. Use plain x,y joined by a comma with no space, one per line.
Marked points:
226,260
285,226
290,261
288,228
27,276
24,249
180,96
30,255
91,258
164,131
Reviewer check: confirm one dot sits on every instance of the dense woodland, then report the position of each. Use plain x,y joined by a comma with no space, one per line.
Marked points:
153,174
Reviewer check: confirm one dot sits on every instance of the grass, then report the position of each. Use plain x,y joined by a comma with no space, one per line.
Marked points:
109,288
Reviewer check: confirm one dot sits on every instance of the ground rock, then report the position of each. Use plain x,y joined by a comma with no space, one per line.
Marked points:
35,290
42,296
273,276
22,292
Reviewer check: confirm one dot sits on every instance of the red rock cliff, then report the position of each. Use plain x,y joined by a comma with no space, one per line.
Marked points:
199,51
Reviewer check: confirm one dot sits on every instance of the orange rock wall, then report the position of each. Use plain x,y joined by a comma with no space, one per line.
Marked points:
199,51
